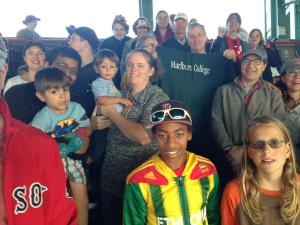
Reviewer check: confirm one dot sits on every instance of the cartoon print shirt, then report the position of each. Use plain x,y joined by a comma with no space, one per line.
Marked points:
61,124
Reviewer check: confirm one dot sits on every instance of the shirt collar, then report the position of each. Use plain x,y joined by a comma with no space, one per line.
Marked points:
182,42
257,85
140,97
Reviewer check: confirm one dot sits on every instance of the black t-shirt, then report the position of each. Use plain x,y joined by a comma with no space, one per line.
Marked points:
115,45
82,88
22,102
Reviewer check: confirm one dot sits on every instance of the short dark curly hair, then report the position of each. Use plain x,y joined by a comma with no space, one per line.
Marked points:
119,19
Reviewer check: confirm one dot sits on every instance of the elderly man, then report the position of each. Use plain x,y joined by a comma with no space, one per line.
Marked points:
237,103
196,36
32,179
28,32
179,41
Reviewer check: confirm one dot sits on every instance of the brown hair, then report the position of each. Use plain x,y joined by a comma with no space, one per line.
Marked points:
153,63
262,41
237,16
250,190
122,21
105,53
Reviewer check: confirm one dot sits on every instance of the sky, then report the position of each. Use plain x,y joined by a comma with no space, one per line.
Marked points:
98,14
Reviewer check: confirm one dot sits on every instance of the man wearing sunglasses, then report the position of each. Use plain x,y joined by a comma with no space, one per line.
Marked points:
174,186
237,103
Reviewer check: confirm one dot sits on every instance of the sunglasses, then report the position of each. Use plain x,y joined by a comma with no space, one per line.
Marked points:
174,113
260,145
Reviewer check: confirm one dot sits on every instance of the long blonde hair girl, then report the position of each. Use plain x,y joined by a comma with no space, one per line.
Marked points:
250,190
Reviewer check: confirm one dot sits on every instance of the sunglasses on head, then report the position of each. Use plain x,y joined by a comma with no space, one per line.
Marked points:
173,113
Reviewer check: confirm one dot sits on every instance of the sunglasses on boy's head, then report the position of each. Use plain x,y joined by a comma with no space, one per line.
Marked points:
273,143
173,113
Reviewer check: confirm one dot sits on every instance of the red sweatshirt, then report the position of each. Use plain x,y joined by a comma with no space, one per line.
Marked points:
34,179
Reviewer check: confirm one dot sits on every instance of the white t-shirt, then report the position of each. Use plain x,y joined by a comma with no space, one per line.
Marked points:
12,82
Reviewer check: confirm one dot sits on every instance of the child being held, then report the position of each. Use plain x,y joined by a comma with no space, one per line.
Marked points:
106,64
67,122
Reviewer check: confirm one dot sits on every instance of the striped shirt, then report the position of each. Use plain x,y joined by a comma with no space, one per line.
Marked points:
122,154
154,195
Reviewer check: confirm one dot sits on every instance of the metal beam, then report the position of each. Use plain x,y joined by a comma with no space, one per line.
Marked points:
146,10
297,19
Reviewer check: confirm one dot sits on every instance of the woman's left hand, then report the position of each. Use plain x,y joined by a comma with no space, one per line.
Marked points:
99,122
106,110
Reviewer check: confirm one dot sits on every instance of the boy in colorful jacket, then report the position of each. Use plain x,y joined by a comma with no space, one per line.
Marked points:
174,186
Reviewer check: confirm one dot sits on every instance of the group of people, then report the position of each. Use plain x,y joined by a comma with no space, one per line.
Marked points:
102,106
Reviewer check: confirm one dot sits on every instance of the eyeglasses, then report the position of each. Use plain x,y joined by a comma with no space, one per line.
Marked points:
259,145
293,74
256,62
174,113
66,68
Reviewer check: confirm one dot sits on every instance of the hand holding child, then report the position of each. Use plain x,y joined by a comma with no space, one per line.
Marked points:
126,102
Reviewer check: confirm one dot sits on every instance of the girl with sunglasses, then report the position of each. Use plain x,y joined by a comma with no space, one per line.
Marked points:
267,191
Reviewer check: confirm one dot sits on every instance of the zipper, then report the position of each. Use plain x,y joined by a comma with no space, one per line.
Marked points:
183,200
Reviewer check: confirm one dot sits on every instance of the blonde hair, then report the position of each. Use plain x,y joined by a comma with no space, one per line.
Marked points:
250,190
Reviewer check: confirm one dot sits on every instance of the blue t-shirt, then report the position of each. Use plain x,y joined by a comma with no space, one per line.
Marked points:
48,121
102,87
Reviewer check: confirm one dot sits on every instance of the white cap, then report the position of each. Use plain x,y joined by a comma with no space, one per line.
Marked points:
181,16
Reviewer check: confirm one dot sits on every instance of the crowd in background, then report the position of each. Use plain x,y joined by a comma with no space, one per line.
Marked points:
98,101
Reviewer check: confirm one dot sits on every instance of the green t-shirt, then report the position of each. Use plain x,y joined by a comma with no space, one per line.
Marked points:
193,79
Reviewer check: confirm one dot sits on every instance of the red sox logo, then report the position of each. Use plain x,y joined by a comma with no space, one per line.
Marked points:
35,197
166,106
